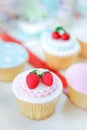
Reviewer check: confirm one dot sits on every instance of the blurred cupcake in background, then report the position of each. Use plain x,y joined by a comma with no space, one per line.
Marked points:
81,35
38,10
13,59
76,76
10,9
60,48
66,12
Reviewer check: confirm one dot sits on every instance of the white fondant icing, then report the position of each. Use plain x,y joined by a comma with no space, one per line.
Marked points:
58,46
41,94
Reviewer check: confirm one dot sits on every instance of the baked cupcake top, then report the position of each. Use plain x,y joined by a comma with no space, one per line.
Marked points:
12,55
37,86
59,42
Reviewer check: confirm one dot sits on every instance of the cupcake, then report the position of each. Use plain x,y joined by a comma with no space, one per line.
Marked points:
37,92
13,58
76,77
60,48
81,35
30,31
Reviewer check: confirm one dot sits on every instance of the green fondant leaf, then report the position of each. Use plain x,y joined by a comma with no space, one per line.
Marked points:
59,29
34,71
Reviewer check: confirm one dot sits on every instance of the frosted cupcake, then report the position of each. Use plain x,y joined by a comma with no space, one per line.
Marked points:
13,58
81,35
76,77
37,92
60,48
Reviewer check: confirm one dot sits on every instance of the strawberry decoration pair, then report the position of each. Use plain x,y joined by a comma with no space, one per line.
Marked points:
57,35
33,79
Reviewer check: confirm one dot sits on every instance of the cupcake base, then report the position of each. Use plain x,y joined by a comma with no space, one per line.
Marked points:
8,74
83,51
77,98
59,63
37,111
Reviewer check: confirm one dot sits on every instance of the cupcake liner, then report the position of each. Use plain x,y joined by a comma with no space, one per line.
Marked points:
37,111
77,98
83,51
57,62
8,74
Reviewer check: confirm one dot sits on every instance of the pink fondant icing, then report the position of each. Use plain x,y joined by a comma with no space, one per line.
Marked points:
76,76
39,92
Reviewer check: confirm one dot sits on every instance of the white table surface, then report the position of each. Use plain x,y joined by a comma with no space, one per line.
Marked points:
66,116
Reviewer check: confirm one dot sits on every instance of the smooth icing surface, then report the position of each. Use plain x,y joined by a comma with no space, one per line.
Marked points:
76,76
81,34
31,28
40,94
12,55
59,47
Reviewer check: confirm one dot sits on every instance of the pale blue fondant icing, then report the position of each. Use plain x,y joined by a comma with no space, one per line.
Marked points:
11,55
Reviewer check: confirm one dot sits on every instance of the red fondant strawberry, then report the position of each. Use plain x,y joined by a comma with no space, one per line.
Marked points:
32,80
65,36
55,35
47,78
